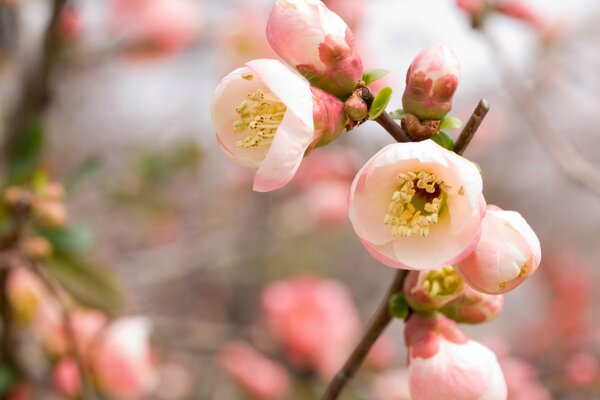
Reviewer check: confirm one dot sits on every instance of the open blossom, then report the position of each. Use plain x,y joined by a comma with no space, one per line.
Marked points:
315,319
268,117
430,290
417,206
260,377
122,361
317,42
473,307
431,81
508,252
445,364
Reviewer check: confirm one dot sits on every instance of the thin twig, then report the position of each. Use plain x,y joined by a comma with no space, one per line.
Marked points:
87,391
471,127
385,119
382,317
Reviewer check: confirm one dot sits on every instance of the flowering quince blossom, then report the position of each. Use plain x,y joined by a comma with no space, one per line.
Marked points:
473,307
315,319
268,116
417,206
430,290
260,377
317,42
65,378
508,252
431,81
445,364
122,361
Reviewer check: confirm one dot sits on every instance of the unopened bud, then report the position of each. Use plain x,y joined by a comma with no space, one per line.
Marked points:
37,248
474,307
431,81
50,214
52,191
355,108
328,117
431,290
16,196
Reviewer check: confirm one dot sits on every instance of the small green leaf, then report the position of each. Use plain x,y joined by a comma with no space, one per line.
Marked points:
451,123
25,154
444,140
380,102
373,75
92,285
398,306
398,114
72,239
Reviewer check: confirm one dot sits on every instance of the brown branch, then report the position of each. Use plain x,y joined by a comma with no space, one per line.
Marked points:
385,119
382,317
471,127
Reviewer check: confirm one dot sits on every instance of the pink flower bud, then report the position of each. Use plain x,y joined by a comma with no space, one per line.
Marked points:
260,377
65,378
317,42
267,117
417,206
445,364
474,307
315,319
508,253
430,290
431,81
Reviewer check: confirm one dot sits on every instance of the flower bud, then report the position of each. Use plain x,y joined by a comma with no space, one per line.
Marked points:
317,42
328,116
508,253
431,81
356,108
445,364
50,214
37,248
16,196
474,307
65,378
430,290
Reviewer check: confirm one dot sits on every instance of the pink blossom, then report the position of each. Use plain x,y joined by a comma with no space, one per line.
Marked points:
521,380
268,117
391,385
472,7
315,319
65,378
155,27
474,307
508,253
260,377
431,81
583,368
417,206
122,361
431,290
317,42
445,364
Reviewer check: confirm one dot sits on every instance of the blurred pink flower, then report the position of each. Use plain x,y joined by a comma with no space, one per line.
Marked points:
507,254
472,7
65,378
317,42
473,307
417,206
383,353
155,27
521,380
431,81
444,364
583,369
391,385
122,361
260,377
315,319
268,117
352,12
26,293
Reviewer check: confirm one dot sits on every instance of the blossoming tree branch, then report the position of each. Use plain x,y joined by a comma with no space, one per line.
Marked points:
416,206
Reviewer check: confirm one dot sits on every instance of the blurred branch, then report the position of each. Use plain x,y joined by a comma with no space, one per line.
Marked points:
560,149
36,88
382,317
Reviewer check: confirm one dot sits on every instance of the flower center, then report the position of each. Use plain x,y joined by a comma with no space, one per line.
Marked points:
416,204
442,282
260,116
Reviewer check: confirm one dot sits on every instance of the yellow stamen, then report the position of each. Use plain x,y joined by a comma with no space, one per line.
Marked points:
260,116
442,282
416,204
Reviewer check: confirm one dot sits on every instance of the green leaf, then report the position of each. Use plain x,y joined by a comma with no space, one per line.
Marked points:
88,167
451,123
398,114
380,102
91,285
72,239
444,140
373,75
25,153
398,306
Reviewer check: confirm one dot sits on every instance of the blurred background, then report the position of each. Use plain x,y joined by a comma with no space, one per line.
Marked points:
152,198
